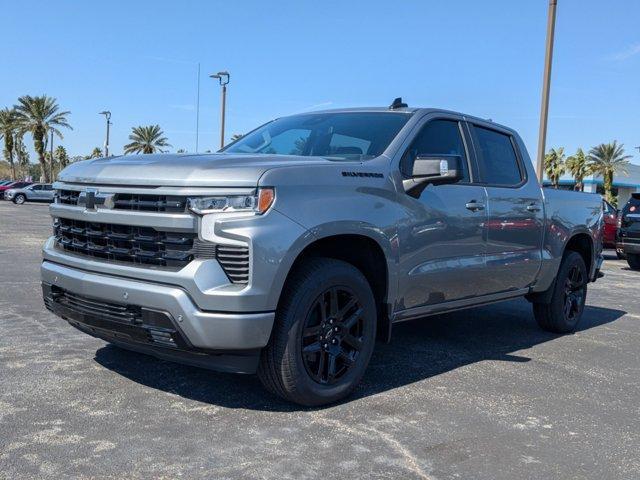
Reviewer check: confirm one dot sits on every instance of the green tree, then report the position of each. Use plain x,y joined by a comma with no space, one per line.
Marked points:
39,116
8,131
60,157
608,159
147,139
554,165
96,153
579,167
22,156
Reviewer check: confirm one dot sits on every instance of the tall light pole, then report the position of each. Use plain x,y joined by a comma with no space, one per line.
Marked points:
51,159
107,116
223,78
546,85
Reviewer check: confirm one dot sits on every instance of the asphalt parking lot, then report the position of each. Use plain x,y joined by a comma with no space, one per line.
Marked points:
479,394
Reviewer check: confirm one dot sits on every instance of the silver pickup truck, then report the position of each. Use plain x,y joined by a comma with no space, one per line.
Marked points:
290,251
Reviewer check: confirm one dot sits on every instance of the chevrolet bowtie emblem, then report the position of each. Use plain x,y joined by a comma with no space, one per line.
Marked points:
91,198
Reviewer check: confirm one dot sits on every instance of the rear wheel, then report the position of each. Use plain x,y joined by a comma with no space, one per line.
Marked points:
563,312
633,259
323,335
19,199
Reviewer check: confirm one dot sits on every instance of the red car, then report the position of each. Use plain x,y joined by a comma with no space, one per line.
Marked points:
11,185
610,225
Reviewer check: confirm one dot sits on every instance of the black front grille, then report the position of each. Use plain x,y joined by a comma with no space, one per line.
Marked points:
121,321
111,311
147,246
68,197
135,202
138,245
150,203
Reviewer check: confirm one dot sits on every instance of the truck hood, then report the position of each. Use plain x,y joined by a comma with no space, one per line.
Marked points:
207,170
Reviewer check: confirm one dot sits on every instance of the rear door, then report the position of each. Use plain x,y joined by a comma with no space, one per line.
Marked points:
515,210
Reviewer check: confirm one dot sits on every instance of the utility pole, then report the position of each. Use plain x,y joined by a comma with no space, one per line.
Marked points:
51,159
107,116
546,85
223,78
198,109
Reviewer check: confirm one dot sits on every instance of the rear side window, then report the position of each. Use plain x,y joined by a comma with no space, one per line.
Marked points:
438,137
497,158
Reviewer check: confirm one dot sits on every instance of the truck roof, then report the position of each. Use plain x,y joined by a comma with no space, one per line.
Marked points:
405,110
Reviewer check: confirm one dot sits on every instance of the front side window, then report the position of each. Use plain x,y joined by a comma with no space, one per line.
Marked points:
348,135
438,137
497,158
36,187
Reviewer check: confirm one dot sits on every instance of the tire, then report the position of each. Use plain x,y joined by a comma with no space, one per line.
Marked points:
305,344
19,199
633,259
562,314
620,255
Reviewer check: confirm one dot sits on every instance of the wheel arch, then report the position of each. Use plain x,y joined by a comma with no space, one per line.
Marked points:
367,250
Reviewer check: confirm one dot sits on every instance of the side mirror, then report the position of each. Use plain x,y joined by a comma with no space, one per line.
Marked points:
435,169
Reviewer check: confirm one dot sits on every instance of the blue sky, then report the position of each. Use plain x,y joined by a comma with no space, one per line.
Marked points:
139,60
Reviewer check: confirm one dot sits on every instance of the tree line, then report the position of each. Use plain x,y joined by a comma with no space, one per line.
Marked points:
606,159
40,117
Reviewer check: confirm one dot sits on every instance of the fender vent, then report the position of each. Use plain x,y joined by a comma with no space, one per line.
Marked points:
234,261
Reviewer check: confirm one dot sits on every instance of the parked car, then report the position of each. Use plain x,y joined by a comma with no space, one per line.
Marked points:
629,231
610,227
11,185
36,192
5,182
292,249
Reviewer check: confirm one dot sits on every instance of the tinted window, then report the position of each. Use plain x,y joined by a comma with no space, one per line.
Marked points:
343,135
633,205
438,137
36,187
48,187
497,158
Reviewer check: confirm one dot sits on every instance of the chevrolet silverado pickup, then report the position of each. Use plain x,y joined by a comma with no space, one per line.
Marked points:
290,251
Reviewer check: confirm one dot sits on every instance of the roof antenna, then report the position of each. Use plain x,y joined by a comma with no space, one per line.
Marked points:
397,103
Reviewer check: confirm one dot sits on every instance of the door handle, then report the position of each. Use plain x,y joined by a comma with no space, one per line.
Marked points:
533,207
474,206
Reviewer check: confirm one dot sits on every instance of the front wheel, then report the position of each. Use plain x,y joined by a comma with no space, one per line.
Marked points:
563,312
633,259
19,199
323,335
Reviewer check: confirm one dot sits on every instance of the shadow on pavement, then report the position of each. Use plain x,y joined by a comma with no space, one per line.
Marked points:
419,349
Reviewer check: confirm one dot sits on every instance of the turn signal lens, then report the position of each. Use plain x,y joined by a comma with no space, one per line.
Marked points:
266,196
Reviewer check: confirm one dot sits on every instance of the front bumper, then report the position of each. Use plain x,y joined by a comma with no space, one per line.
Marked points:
202,330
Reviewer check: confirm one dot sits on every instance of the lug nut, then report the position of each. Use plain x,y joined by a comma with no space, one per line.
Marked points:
334,341
335,329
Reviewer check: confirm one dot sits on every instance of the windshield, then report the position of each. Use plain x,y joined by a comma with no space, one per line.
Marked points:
343,135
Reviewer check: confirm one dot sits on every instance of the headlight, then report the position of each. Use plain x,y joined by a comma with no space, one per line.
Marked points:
259,203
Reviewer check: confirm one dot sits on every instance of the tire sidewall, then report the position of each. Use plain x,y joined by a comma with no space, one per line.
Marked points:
339,275
557,303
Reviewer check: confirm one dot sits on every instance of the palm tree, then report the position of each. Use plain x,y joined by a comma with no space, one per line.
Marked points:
61,157
96,153
554,165
8,131
607,159
147,139
579,167
22,156
40,116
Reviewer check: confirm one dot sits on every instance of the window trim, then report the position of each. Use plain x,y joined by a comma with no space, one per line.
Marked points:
463,137
519,161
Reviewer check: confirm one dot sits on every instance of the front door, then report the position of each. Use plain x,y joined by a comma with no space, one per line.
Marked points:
442,244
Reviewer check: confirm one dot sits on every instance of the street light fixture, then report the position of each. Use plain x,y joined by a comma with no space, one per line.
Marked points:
107,116
223,78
